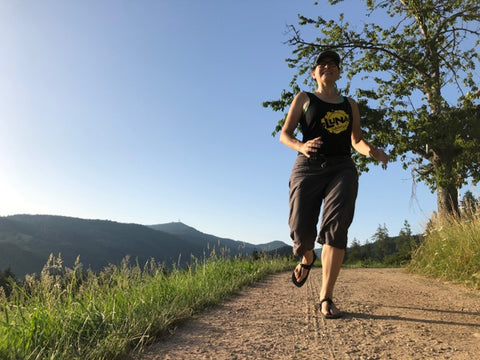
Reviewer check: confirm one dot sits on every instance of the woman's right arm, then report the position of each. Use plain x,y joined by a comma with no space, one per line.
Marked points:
294,115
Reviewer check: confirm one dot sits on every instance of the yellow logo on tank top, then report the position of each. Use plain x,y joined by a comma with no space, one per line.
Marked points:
336,121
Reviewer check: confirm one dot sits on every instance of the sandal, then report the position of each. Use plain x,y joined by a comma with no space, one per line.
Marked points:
329,308
306,267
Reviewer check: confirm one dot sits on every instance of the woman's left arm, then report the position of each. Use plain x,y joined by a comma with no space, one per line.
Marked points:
359,143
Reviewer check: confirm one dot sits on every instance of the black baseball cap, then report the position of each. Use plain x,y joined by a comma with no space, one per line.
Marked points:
327,54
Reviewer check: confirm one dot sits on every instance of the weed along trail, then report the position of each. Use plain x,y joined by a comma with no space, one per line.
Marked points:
390,314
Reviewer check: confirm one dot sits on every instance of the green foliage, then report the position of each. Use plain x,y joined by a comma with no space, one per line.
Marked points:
7,281
451,249
384,250
74,314
431,46
470,202
382,243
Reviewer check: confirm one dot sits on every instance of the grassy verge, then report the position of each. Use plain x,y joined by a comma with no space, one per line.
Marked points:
450,250
70,314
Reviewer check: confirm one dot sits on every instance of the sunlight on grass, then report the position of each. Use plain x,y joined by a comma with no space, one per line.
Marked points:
451,249
74,314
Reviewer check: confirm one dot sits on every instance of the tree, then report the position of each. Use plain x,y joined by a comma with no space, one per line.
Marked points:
406,231
381,243
470,202
431,47
405,244
354,253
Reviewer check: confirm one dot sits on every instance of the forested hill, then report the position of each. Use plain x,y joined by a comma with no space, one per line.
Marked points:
26,242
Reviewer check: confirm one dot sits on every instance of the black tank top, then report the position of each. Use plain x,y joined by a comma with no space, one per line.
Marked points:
333,122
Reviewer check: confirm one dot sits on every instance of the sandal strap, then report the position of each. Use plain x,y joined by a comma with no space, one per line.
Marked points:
305,266
308,267
328,300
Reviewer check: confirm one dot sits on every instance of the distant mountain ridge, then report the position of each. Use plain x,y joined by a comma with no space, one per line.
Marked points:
180,229
26,241
234,247
195,236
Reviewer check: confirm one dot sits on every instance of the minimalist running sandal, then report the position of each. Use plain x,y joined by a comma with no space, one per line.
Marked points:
329,308
306,267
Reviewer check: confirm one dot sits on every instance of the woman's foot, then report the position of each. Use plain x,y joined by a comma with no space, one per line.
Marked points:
300,274
329,310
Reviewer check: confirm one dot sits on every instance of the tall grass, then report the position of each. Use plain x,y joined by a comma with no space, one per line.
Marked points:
451,249
73,314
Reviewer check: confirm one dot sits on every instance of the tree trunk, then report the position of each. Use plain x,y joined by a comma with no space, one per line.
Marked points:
446,180
447,200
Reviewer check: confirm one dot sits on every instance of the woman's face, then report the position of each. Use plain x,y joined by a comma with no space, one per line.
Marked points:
326,71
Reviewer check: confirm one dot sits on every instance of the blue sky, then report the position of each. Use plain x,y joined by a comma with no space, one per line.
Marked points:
150,112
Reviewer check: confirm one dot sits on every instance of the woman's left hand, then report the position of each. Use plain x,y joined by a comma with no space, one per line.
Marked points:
379,155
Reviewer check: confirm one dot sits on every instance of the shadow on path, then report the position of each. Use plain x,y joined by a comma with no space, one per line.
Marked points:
459,312
354,315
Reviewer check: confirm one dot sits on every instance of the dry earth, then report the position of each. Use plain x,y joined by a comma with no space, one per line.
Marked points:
389,315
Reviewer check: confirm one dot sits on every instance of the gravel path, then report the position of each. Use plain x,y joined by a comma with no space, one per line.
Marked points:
389,315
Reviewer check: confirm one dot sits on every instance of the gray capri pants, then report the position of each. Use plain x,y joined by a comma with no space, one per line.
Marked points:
333,180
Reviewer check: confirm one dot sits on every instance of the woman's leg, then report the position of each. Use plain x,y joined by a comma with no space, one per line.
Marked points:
339,206
332,259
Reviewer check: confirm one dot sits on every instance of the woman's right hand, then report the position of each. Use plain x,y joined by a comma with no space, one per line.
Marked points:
311,147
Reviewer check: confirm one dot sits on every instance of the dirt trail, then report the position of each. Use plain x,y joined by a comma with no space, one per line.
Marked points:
389,315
